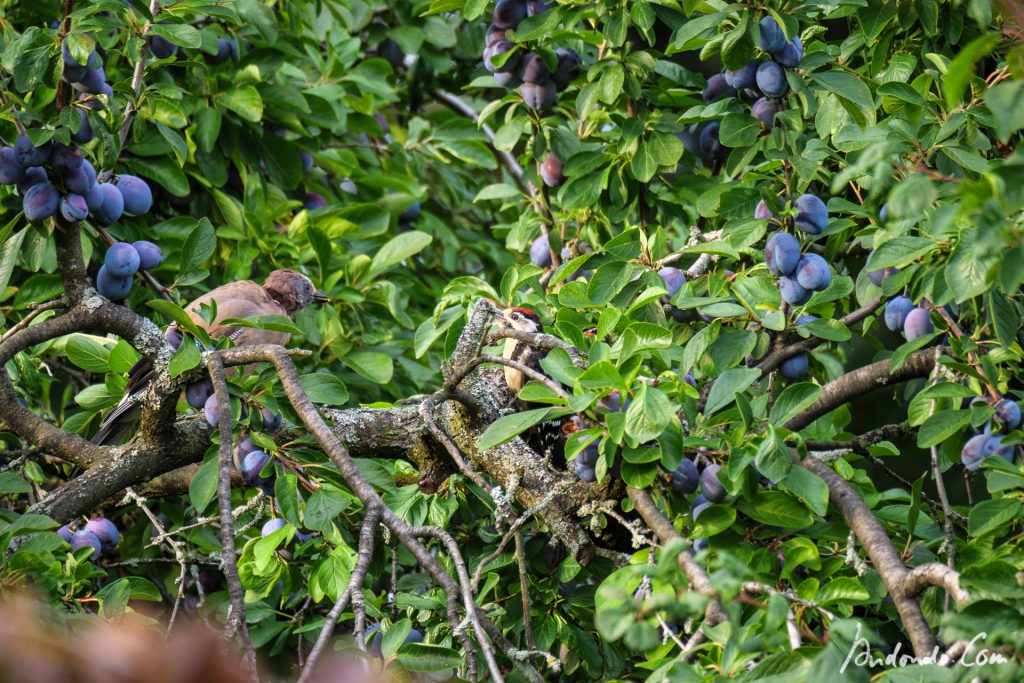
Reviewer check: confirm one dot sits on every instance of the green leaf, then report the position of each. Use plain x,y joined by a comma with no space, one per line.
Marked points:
989,515
852,93
87,353
649,414
325,504
811,488
185,358
509,426
203,487
777,508
179,34
961,69
9,257
12,483
899,252
792,400
941,426
828,328
1006,102
244,101
713,520
728,384
428,658
373,365
325,388
199,247
739,130
398,249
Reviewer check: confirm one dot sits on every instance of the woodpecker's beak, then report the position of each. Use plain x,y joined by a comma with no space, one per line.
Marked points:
321,297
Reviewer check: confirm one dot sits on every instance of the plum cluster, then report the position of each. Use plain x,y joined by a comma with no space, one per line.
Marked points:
539,76
121,262
686,478
540,254
984,445
99,533
799,274
764,82
901,313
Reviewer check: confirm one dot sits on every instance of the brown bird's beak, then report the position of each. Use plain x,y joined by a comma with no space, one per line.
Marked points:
321,298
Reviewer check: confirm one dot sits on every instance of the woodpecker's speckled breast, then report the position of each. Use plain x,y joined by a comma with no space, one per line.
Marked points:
524,320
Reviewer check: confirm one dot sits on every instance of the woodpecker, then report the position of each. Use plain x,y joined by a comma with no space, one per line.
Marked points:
547,437
523,320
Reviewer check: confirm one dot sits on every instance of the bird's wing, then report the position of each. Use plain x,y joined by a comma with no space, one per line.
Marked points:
242,299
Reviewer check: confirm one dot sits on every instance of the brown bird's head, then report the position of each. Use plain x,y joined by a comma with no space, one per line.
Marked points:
522,319
294,291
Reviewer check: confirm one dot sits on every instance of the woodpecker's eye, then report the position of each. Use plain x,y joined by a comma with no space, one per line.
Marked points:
516,316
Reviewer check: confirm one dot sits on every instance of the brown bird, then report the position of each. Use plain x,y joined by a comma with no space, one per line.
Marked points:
284,293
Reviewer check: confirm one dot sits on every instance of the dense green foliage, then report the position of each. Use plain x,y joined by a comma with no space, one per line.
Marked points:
914,106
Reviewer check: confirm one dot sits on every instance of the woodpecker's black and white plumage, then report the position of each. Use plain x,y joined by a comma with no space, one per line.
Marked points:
546,437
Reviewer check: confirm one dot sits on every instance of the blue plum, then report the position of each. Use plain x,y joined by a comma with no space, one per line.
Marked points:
73,208
771,79
811,214
540,252
1008,413
792,293
584,471
771,37
271,421
791,55
272,525
138,198
569,62
685,477
86,539
174,336
812,272
877,277
92,82
794,368
28,154
710,144
804,319
762,212
710,486
717,89
105,530
11,171
160,47
765,109
510,63
65,533
782,253
33,176
313,201
121,260
918,324
701,544
66,159
111,286
508,13
508,80
307,161
994,446
971,454
211,410
150,255
226,48
82,179
111,205
41,202
252,464
73,71
84,133
539,97
673,278
896,311
197,393
744,77
533,69
552,171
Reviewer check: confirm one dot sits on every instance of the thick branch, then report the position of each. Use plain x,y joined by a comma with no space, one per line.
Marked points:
935,574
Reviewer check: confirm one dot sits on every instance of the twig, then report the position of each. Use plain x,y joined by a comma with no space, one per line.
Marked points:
425,409
524,588
236,614
34,313
775,358
132,108
355,582
179,554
